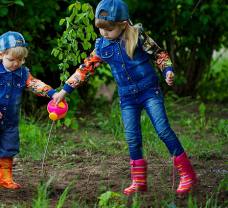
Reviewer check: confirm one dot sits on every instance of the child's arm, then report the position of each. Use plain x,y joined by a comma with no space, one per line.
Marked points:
161,57
38,87
79,77
0,115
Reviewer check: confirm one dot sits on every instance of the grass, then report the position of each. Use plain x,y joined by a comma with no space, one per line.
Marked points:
202,134
33,138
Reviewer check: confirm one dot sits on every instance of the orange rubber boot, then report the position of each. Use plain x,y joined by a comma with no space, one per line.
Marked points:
138,176
187,174
6,179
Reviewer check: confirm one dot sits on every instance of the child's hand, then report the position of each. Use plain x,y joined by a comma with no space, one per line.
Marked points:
57,97
169,78
0,115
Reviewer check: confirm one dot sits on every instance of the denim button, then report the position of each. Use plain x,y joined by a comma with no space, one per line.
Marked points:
18,84
157,92
8,84
128,78
7,96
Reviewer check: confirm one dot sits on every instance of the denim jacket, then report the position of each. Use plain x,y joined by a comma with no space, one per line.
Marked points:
11,88
131,75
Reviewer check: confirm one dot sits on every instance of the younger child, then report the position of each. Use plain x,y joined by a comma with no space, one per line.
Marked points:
127,50
14,77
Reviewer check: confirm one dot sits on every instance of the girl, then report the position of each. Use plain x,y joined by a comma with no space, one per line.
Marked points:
127,50
14,77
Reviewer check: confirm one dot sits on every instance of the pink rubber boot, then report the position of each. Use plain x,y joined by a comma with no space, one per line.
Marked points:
138,176
186,172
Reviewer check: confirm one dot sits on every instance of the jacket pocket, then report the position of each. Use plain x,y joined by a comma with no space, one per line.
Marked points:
107,53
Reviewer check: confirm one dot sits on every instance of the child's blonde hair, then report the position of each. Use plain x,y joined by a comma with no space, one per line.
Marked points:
130,33
130,37
17,52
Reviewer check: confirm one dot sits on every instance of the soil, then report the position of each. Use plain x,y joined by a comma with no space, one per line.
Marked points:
91,176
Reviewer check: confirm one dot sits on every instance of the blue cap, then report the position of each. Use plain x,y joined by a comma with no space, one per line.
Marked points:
11,40
117,10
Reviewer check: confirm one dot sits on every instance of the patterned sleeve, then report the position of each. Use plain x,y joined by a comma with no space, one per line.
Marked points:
38,87
82,73
160,57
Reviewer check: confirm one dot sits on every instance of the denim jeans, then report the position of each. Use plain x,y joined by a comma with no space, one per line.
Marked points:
9,141
153,103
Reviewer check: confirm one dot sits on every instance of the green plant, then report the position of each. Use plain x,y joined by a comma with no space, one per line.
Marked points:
111,199
43,191
63,197
202,112
77,35
42,199
73,43
137,202
213,85
33,138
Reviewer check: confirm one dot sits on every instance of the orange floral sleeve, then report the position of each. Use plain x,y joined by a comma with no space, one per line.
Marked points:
85,70
37,86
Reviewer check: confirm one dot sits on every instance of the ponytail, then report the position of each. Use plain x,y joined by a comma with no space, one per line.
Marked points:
130,36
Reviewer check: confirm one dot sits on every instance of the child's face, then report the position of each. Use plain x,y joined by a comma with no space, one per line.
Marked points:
112,33
10,62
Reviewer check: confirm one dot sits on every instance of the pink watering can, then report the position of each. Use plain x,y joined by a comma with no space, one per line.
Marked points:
57,112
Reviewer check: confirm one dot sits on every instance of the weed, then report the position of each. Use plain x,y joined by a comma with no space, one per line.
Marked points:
111,199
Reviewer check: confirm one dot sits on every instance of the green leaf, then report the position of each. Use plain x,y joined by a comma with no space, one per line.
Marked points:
83,55
91,15
71,7
78,5
85,7
67,122
19,2
61,21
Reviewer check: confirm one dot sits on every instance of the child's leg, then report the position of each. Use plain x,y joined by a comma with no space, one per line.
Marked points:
9,147
156,111
131,120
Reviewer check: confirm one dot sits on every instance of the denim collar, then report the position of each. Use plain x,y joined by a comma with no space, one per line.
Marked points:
17,72
107,42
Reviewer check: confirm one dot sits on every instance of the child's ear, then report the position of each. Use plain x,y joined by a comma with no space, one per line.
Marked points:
1,55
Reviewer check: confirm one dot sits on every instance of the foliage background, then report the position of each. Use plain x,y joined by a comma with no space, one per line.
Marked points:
192,31
195,35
